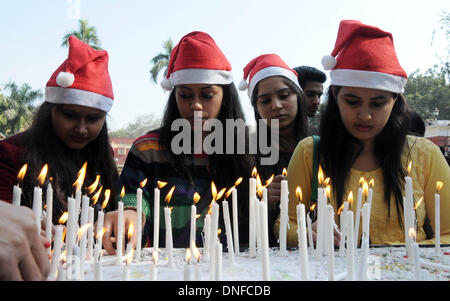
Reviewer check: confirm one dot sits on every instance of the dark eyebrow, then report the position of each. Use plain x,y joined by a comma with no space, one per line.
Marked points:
351,95
379,97
202,88
278,91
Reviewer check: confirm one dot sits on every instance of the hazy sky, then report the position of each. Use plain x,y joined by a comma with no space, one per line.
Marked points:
132,32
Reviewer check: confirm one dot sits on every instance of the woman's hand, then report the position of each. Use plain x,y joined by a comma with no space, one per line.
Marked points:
274,191
111,227
337,234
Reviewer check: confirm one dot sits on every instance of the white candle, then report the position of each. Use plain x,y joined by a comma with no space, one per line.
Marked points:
207,232
310,236
153,272
302,243
437,223
343,224
284,200
363,264
258,229
98,269
125,273
197,276
139,224
265,241
49,213
90,234
169,239
188,272
415,248
71,225
77,204
192,240
83,240
366,220
37,207
120,233
57,244
252,222
321,221
229,233
17,193
358,217
408,210
350,247
235,221
330,242
213,240
218,259
99,235
61,274
156,204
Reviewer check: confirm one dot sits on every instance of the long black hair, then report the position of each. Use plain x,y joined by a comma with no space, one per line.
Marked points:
224,168
300,121
389,145
43,146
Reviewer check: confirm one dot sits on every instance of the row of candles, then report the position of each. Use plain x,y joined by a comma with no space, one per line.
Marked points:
258,227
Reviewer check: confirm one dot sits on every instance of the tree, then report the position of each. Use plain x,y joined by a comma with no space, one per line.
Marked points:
139,127
19,107
85,33
161,60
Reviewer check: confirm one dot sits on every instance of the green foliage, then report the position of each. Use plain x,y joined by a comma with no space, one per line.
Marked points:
85,33
161,60
138,127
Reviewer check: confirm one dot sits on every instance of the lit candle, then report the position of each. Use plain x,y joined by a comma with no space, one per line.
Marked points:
49,213
302,244
120,233
213,240
218,259
156,204
207,232
350,247
192,240
366,220
139,192
71,226
126,269
197,264
265,241
235,221
308,221
252,222
284,201
330,242
84,221
321,214
90,234
415,253
408,211
57,244
363,264
98,270
188,269
370,194
169,239
437,218
229,234
37,198
78,186
17,191
154,270
343,224
358,211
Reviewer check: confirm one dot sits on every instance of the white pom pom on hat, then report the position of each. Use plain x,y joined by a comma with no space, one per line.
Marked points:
328,62
243,85
65,79
166,84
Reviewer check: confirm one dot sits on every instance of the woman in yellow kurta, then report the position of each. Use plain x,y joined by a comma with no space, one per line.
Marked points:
364,134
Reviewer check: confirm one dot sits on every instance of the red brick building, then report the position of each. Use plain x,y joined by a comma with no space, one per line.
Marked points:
121,147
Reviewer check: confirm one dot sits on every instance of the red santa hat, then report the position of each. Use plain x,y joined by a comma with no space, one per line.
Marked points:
82,79
264,66
364,56
197,59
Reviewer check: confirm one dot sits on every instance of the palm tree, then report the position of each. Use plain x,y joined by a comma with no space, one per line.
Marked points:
20,108
85,33
161,60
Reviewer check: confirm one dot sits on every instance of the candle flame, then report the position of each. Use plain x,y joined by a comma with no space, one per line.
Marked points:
259,191
80,179
22,172
412,233
43,174
258,181
169,194
94,185
196,253
361,182
197,216
340,209
171,208
350,198
107,195
100,233
418,203
312,207
371,183
227,194
439,185
155,257
188,255
196,198
213,190
97,195
219,231
326,182
284,173
328,191
122,192
220,194
409,167
83,229
64,217
254,172
143,183
238,181
269,181
130,230
365,189
161,184
298,193
320,175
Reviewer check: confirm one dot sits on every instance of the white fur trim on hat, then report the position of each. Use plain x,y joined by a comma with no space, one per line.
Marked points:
271,71
201,76
328,62
166,84
78,97
65,79
368,79
243,85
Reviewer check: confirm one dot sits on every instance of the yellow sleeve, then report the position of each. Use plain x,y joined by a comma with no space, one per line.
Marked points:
438,170
299,174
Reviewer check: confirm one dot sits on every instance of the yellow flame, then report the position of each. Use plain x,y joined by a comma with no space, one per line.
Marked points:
169,194
171,208
269,181
197,216
213,190
229,191
22,172
196,198
122,192
107,195
320,175
254,172
64,217
371,183
43,174
143,183
80,179
298,193
365,189
350,198
409,167
412,233
188,255
340,209
161,184
312,207
94,185
100,233
97,195
326,182
258,181
417,204
238,181
220,193
83,229
328,192
284,173
196,253
361,182
219,231
439,185
130,230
